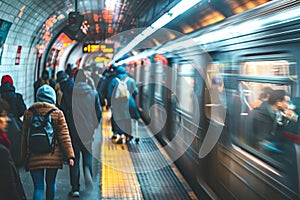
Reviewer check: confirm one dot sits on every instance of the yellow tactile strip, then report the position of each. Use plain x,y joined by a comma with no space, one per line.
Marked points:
118,180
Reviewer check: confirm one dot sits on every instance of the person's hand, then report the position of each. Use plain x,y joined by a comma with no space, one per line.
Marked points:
291,115
71,162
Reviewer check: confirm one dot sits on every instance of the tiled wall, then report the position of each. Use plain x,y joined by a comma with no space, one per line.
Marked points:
22,32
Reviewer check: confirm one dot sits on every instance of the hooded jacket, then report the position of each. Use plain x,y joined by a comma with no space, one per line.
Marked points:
123,110
45,95
15,100
86,112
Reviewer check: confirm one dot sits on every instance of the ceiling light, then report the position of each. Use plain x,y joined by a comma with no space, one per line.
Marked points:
177,10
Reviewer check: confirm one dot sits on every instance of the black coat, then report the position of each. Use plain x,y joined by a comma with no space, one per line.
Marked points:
15,100
10,184
266,125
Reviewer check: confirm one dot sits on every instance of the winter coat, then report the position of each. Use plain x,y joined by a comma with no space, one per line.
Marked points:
15,100
10,184
84,113
123,110
63,141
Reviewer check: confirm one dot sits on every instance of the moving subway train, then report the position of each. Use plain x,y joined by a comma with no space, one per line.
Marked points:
200,91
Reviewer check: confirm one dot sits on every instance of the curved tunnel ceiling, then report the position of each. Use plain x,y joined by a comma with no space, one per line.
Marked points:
107,18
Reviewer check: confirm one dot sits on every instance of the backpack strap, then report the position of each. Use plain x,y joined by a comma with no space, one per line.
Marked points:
126,79
54,135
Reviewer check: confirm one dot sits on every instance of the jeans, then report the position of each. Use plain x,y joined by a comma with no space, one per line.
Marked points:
38,182
87,162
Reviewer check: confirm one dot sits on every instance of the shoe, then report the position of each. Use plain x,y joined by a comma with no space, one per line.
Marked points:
121,140
128,138
74,193
114,137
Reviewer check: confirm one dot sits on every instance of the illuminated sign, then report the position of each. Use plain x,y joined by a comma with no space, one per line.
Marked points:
98,48
102,59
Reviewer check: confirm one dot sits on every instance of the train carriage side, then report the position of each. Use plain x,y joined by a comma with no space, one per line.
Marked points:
207,92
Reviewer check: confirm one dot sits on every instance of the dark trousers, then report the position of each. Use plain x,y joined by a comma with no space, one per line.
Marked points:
87,163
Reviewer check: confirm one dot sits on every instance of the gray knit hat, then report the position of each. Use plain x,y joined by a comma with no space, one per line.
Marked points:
46,94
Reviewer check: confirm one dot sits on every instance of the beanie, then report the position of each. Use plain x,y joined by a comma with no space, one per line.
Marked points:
7,79
46,94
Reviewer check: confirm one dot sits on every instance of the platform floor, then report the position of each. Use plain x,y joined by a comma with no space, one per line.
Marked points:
124,171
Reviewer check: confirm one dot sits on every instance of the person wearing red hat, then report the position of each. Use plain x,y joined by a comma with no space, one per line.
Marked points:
16,110
7,79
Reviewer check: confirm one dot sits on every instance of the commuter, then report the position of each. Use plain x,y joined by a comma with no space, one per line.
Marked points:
102,89
122,110
10,184
16,110
84,113
269,119
68,69
95,74
45,166
264,96
44,79
61,77
88,73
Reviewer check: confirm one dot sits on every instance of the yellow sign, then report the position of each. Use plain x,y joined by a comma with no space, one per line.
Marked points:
98,48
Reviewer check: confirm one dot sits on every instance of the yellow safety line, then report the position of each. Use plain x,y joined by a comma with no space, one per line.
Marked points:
118,180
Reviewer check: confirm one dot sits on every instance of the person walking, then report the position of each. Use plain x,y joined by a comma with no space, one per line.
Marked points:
84,114
10,184
122,110
16,110
45,165
44,79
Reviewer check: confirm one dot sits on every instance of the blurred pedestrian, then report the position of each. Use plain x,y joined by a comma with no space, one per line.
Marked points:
16,110
122,110
44,166
10,184
84,112
44,79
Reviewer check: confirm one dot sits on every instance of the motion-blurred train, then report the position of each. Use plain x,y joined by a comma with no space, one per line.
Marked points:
200,88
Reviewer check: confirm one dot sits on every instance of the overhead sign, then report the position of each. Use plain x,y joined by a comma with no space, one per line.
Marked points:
98,48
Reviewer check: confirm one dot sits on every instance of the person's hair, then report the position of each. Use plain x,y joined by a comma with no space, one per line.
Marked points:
276,95
265,92
45,74
4,106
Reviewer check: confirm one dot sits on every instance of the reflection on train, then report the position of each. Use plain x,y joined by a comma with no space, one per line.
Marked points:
208,83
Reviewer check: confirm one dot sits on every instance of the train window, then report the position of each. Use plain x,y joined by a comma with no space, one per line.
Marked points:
215,100
185,87
257,120
266,68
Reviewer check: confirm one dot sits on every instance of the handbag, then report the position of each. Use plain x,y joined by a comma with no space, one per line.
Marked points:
14,133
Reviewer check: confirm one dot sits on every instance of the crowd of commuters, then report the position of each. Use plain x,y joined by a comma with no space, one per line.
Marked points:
77,96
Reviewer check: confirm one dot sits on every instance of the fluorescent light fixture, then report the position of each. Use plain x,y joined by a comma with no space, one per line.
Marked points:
177,10
249,26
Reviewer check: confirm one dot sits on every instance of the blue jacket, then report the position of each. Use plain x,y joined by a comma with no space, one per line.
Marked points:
120,109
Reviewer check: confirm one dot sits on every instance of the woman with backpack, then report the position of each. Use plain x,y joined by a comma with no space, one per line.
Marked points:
44,164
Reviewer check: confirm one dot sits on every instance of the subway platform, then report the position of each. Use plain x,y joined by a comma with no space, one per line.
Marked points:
133,171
